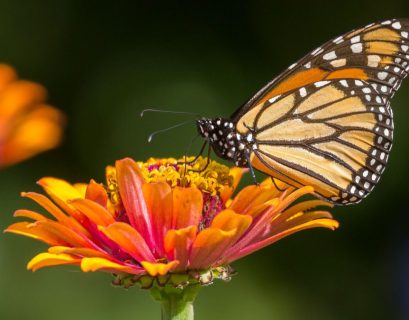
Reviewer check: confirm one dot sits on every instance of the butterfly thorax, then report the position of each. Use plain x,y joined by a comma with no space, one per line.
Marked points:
226,142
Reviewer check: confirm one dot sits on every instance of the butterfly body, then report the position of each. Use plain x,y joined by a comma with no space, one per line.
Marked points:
326,121
226,142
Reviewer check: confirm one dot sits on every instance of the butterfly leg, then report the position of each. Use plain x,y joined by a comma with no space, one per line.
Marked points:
253,174
195,159
207,161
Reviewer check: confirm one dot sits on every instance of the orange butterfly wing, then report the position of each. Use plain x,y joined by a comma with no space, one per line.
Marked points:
326,121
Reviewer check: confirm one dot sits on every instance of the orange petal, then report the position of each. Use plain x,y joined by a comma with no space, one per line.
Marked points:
158,197
229,220
289,199
236,173
81,252
307,205
298,219
101,264
324,223
252,196
20,95
56,212
46,259
258,209
40,130
97,193
130,181
31,230
129,240
95,212
29,214
208,247
66,234
154,269
46,204
178,243
187,207
7,75
61,192
82,188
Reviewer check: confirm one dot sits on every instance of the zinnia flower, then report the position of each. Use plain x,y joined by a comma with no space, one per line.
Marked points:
28,126
162,223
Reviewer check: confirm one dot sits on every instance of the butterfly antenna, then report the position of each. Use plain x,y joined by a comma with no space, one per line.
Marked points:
169,111
167,129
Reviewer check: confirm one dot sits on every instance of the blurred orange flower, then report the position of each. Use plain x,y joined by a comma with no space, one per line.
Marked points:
28,126
160,217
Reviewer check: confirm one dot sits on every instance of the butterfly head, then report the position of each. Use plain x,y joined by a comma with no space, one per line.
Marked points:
224,139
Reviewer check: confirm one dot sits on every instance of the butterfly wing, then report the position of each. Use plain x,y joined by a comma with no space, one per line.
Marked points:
326,121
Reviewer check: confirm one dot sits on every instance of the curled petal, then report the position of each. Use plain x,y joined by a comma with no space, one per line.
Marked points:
155,269
46,259
229,220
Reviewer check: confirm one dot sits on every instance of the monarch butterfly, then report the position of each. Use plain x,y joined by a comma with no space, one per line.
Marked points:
326,121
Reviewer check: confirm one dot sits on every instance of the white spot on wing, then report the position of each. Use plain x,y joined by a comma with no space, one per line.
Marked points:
382,75
292,66
273,99
317,51
330,56
396,25
355,39
356,48
339,63
303,92
321,83
373,60
344,83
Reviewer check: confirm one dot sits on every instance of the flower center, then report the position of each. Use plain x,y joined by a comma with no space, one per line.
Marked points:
209,177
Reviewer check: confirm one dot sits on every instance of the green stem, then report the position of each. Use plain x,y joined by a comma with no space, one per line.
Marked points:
177,304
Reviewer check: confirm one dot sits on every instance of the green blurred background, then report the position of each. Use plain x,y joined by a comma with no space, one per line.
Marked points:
104,62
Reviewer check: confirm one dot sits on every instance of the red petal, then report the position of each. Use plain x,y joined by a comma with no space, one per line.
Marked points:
158,197
130,182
